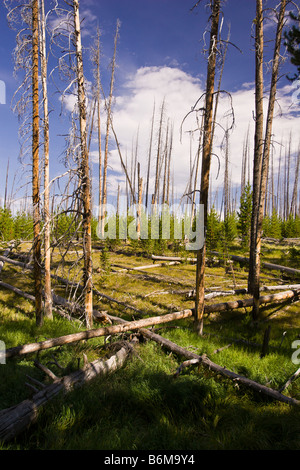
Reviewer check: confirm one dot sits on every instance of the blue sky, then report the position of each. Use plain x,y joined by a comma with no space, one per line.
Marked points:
159,56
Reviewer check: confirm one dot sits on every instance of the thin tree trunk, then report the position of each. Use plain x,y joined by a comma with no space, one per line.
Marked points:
158,157
206,159
149,158
35,166
293,209
265,159
87,216
47,287
254,268
108,122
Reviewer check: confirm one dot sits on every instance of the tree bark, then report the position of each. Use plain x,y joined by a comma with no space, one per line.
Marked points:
85,174
96,333
35,166
206,159
258,146
206,362
16,419
265,160
47,228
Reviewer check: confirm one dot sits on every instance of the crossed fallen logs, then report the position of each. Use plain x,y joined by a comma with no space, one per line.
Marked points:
18,418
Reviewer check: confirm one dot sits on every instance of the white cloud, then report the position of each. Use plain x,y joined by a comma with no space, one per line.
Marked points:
132,114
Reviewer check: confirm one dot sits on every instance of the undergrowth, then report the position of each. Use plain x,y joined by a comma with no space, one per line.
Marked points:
144,406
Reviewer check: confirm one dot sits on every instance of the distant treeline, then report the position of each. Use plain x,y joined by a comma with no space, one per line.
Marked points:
218,231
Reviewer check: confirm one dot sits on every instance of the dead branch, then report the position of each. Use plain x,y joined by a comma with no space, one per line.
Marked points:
207,363
95,333
16,419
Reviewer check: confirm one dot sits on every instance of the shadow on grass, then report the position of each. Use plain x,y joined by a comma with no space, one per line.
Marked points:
140,409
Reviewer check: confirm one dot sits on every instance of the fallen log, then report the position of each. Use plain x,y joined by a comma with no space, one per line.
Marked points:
5,254
192,293
206,362
173,258
57,300
194,358
116,329
275,267
16,419
147,266
265,299
95,333
241,259
290,380
70,283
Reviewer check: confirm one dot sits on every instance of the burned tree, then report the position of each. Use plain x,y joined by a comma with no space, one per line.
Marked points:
206,158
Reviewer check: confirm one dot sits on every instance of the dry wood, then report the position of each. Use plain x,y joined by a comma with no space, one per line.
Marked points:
275,267
58,300
173,258
85,172
47,228
206,159
69,283
206,362
6,253
96,333
35,166
16,419
262,189
266,299
290,380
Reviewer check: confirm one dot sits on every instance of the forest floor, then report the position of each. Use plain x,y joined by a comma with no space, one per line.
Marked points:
144,406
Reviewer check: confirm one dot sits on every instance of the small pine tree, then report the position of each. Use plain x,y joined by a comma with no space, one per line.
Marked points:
213,230
230,227
244,215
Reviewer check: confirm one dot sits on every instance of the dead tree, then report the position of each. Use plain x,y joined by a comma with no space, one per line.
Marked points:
47,228
108,122
85,175
264,163
37,258
258,144
96,61
206,159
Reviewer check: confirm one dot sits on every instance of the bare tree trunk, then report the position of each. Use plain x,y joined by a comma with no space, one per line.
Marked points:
98,100
206,159
293,209
35,167
108,122
158,157
149,158
85,176
47,287
265,161
254,268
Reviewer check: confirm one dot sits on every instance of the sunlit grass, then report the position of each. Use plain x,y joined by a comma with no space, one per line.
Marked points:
143,406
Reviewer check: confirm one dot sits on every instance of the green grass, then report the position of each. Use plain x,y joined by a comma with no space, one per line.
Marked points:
143,406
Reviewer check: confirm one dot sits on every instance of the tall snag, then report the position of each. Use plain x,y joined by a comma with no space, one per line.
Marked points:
85,176
47,228
258,142
35,167
206,159
263,161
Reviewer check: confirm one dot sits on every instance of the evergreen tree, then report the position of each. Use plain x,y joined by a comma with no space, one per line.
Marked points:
213,230
292,42
244,215
230,227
